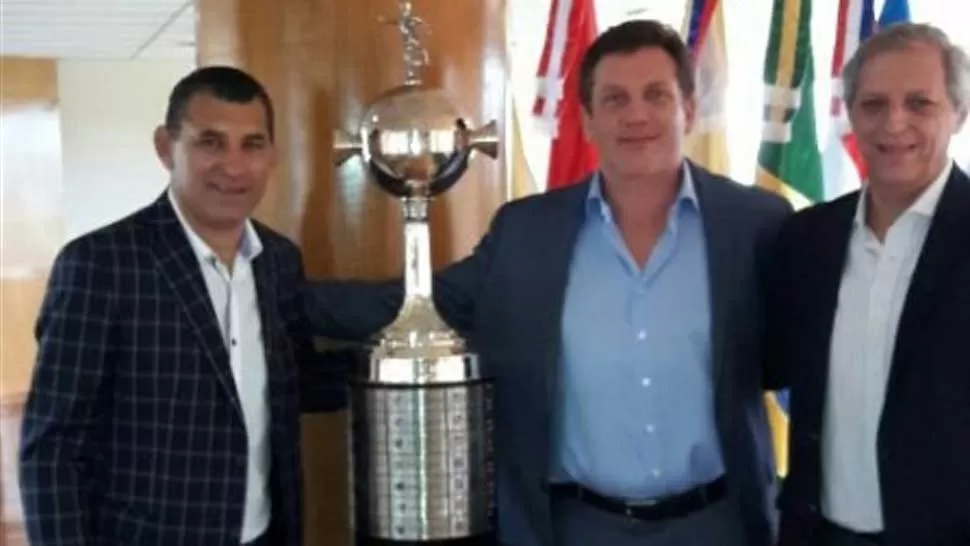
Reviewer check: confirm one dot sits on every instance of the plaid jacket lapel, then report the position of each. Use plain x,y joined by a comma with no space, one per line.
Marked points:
180,267
264,275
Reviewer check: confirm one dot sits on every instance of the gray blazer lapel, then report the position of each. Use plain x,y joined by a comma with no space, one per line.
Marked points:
556,233
719,232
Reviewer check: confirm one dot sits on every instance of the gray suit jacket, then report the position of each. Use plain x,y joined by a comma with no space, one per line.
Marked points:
507,298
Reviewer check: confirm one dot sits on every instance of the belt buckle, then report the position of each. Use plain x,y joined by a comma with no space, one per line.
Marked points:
630,507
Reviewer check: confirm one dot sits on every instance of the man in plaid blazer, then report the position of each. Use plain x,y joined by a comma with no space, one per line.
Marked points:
164,406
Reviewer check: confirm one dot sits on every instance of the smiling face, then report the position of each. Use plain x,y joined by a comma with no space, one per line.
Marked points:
220,160
638,115
903,117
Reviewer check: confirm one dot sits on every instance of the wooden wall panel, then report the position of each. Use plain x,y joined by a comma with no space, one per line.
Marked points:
31,218
30,146
323,62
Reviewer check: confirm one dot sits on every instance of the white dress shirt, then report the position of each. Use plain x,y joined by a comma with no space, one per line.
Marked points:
233,296
874,286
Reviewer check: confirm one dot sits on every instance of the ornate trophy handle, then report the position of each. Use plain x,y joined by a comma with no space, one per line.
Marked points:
484,139
345,146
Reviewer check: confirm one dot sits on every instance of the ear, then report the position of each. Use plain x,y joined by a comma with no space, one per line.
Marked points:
163,147
961,119
690,113
273,155
587,122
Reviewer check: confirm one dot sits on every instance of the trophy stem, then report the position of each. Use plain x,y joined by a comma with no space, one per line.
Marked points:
417,250
418,327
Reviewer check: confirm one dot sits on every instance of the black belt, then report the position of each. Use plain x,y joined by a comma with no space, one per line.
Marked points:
833,532
675,506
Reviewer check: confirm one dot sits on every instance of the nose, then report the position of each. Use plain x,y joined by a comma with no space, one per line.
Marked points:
897,117
234,161
638,112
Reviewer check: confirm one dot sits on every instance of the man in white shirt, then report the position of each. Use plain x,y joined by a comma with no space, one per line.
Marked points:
869,308
173,354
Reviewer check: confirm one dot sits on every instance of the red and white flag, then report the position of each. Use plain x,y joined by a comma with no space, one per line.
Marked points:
571,29
854,24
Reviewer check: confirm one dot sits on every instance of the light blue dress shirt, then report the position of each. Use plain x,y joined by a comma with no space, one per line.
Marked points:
636,404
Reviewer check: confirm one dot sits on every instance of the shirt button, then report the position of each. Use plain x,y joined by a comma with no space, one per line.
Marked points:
656,472
233,342
642,335
650,429
645,381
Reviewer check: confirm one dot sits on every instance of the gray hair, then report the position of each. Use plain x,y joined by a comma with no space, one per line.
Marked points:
956,64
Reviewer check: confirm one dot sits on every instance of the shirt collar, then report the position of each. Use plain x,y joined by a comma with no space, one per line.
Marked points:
596,202
249,247
924,206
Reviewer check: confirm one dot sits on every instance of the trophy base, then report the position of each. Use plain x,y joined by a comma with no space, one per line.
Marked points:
421,455
486,539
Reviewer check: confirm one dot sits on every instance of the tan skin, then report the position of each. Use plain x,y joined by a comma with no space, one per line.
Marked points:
220,162
638,119
903,118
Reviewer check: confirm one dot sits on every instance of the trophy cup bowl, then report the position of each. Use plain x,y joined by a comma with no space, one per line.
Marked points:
414,142
420,409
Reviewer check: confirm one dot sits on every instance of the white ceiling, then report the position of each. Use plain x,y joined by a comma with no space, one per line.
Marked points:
98,29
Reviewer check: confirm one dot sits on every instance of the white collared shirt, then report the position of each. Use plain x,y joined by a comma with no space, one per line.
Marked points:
875,281
233,296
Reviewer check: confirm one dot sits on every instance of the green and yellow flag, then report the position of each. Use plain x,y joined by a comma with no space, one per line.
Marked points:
789,160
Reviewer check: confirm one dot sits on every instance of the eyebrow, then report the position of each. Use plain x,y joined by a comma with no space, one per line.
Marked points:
221,134
910,92
650,85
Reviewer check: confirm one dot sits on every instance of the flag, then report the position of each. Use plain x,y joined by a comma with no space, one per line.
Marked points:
894,11
704,32
789,161
571,29
855,24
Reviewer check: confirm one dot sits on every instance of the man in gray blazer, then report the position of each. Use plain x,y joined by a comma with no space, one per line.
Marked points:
621,319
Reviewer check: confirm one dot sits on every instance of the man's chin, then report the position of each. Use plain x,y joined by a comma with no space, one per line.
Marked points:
227,220
646,169
896,175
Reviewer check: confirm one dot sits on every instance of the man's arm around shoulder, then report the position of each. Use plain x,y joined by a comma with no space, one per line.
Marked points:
354,310
322,375
73,337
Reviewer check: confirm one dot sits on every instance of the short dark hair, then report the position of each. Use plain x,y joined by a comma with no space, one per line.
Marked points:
223,82
630,37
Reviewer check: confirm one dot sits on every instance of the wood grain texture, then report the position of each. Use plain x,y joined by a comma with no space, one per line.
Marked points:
32,215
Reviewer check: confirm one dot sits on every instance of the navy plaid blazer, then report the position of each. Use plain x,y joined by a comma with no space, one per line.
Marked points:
133,432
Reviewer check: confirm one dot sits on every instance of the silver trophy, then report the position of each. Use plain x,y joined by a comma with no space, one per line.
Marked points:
420,411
